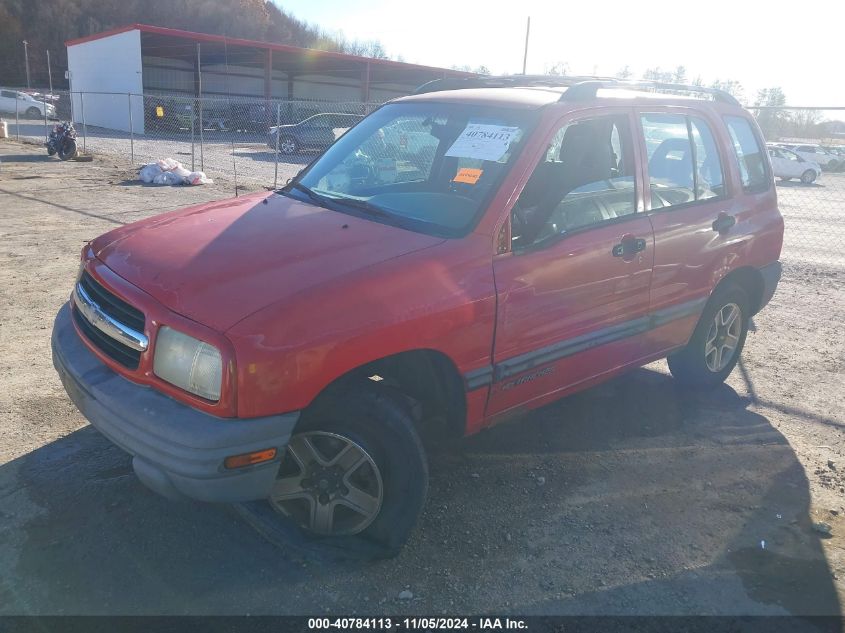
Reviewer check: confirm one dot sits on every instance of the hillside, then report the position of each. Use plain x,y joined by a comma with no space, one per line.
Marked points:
47,24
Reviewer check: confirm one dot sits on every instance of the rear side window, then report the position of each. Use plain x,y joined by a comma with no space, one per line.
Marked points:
683,160
708,166
752,161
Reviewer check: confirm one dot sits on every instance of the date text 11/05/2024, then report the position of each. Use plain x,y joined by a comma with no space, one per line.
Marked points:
417,624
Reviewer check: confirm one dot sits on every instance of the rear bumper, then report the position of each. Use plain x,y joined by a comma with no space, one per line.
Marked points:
771,276
177,451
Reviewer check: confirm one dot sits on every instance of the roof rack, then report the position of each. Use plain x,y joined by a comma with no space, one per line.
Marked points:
586,90
503,81
578,88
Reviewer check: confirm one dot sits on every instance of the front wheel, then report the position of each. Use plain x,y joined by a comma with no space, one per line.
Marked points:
67,149
717,341
808,177
33,113
354,470
288,145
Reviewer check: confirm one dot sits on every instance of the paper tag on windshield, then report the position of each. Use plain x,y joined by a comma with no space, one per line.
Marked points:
468,175
483,141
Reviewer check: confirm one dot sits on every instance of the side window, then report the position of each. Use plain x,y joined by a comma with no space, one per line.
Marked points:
8,94
683,160
670,159
586,178
749,154
709,181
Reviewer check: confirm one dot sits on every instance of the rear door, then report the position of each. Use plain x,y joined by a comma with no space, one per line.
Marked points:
573,291
703,218
688,192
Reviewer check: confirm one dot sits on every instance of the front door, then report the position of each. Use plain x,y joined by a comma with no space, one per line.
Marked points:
573,293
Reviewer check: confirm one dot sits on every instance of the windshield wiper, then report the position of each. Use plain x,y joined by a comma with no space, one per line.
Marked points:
329,202
363,205
316,198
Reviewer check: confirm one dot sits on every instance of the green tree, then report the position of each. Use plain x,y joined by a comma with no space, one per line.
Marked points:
773,121
559,69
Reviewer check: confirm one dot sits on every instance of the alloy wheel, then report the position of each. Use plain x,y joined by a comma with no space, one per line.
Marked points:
723,337
328,484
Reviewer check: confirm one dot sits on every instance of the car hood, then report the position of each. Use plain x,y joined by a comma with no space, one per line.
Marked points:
218,263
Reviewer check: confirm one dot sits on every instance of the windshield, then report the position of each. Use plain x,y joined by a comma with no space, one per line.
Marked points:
425,166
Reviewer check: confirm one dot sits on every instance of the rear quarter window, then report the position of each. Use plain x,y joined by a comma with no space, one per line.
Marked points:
753,165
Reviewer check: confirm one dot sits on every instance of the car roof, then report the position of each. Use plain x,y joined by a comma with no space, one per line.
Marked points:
535,97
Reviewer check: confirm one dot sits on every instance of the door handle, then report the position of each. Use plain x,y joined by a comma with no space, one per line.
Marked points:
723,223
628,246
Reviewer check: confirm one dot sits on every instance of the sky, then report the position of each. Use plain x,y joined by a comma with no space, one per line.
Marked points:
799,46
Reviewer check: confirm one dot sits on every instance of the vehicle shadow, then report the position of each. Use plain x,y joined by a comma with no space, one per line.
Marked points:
634,497
269,156
25,158
799,184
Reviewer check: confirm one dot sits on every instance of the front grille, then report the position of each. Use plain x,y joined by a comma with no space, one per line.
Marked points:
117,309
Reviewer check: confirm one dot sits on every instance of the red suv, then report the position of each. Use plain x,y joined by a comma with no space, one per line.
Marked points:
460,256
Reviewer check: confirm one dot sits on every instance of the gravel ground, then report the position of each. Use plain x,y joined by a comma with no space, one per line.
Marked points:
634,497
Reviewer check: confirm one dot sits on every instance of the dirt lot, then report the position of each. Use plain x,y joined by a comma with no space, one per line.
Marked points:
634,497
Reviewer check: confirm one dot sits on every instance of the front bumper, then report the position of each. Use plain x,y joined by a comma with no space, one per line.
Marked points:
176,450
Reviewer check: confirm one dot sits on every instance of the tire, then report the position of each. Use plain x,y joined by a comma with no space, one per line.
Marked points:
33,113
51,151
288,145
692,365
808,177
68,149
361,419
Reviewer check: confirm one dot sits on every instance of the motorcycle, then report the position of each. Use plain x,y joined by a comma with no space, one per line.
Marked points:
62,141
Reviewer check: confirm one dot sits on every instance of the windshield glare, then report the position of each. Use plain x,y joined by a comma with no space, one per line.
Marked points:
430,167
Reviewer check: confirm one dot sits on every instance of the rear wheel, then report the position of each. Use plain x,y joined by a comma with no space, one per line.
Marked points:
717,342
808,177
67,149
354,470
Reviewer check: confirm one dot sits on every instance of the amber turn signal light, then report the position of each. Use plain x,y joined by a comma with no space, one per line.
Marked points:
248,459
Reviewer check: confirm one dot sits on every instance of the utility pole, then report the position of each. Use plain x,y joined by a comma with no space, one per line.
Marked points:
26,61
525,57
49,72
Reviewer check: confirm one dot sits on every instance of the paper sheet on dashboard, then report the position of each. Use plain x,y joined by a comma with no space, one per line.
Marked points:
483,141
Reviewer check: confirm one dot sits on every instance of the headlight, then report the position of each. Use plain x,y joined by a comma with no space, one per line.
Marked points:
188,363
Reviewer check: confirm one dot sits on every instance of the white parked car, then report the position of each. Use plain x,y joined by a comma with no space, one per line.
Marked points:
787,164
27,107
815,154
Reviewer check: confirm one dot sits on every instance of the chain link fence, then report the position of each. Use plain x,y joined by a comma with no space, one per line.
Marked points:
260,141
806,147
266,142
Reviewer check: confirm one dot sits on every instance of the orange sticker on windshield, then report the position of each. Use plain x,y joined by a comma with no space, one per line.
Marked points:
468,175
